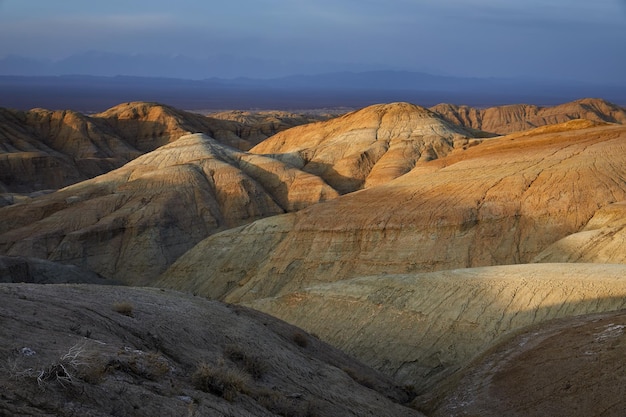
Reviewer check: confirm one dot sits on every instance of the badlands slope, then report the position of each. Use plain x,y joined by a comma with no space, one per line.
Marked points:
92,351
501,202
132,223
368,147
519,117
46,150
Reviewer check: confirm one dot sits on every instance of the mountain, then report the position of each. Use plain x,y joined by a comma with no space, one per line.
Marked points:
514,118
133,222
502,201
368,147
100,350
90,93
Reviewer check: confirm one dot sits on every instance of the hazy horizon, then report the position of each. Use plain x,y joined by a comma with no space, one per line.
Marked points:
554,39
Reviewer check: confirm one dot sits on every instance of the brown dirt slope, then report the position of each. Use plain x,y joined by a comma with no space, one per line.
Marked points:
518,117
103,351
132,223
420,328
501,202
572,367
367,147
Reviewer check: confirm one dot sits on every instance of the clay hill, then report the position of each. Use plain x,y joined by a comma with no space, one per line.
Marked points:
518,117
440,321
503,201
367,147
133,222
104,351
423,248
47,150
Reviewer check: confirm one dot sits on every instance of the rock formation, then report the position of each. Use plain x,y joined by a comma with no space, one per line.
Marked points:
368,147
501,202
518,117
135,221
421,328
100,350
47,150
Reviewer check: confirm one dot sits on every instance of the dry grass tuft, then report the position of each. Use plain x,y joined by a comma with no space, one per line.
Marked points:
123,307
220,380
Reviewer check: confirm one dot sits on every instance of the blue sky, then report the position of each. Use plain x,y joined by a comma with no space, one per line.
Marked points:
573,39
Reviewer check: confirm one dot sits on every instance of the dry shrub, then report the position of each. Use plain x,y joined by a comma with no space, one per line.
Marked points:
149,365
300,339
253,365
220,380
123,307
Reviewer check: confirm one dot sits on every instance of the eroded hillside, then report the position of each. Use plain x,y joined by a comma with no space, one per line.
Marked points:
501,202
100,350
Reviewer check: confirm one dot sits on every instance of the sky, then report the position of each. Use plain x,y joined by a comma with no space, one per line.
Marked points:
550,39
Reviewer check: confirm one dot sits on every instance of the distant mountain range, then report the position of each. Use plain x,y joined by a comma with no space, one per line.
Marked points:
52,85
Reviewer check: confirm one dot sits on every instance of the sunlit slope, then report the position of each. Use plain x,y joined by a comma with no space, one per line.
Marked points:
503,201
131,223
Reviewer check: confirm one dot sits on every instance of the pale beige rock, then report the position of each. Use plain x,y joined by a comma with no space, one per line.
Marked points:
420,328
368,147
132,223
518,117
501,202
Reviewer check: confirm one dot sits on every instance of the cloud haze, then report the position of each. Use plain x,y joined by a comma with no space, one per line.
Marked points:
571,39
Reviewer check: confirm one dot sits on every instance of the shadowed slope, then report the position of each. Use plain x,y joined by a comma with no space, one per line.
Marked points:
133,222
138,352
602,240
501,202
439,321
518,117
572,367
368,147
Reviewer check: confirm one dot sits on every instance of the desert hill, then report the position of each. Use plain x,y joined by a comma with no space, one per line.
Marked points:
570,367
135,221
514,118
420,328
367,147
100,350
503,201
47,150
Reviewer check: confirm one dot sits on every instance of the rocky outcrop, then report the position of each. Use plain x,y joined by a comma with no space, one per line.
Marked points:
421,328
568,367
368,147
101,350
501,202
518,117
132,223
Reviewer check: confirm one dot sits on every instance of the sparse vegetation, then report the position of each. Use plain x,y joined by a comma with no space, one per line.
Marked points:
123,307
220,380
300,339
253,365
